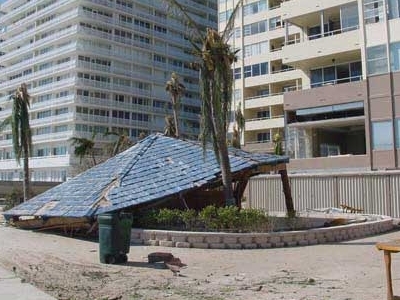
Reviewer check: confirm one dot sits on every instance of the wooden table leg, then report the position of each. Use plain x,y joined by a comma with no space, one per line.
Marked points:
388,263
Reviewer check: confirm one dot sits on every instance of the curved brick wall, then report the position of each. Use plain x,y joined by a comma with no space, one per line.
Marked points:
221,240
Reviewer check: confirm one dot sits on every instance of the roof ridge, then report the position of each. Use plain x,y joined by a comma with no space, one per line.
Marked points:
129,167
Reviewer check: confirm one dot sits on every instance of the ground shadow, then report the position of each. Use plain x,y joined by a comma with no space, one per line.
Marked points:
142,264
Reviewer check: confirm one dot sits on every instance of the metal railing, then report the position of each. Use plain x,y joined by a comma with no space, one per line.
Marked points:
265,118
332,32
336,81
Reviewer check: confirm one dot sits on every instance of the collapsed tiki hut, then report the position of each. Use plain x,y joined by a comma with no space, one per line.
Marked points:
158,170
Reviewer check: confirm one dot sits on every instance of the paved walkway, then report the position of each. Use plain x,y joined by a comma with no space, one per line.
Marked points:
11,287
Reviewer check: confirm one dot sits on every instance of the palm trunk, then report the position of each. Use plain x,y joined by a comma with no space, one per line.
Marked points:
26,185
175,108
226,172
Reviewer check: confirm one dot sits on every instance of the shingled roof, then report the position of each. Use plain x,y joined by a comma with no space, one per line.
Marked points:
153,169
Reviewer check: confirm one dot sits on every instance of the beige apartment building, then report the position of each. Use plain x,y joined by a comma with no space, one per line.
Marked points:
325,75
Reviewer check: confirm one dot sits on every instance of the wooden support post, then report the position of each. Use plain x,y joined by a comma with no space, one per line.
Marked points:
288,194
239,189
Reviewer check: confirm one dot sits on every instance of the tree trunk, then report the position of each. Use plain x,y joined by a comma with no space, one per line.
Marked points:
26,185
288,194
226,172
174,108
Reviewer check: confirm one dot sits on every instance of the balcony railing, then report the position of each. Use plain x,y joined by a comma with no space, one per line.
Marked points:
38,75
64,135
336,81
53,101
265,118
282,70
332,32
39,59
56,119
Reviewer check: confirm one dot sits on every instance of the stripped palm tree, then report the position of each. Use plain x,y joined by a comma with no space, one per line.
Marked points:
122,143
175,89
84,147
215,61
238,127
21,132
169,129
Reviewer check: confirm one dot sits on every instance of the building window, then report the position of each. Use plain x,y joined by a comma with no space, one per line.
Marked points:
394,9
329,150
256,49
263,114
255,28
377,60
255,7
373,11
275,23
395,56
397,132
263,137
256,70
237,73
382,135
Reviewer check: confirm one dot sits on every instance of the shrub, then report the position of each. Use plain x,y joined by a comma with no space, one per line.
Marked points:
13,199
210,218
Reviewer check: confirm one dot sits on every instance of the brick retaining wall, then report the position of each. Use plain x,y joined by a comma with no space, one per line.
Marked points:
221,240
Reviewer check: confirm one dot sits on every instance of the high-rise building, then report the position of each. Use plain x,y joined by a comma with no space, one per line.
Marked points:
93,66
323,74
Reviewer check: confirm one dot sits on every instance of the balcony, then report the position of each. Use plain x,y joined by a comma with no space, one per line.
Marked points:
274,77
264,100
259,146
296,10
264,123
56,119
39,59
55,85
328,94
51,137
53,102
42,27
38,75
342,41
57,36
53,161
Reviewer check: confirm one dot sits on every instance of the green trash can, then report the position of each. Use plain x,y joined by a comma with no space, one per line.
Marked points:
114,237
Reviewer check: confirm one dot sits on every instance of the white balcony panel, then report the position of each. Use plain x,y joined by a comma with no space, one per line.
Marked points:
274,77
263,101
264,124
295,8
52,137
310,49
394,32
52,103
374,36
68,117
37,162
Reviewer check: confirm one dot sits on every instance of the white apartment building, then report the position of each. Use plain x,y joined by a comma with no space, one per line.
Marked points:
325,75
92,66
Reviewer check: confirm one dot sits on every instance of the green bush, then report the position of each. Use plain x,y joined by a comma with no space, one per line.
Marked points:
210,218
13,199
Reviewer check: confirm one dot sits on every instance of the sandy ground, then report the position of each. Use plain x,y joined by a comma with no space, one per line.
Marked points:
68,268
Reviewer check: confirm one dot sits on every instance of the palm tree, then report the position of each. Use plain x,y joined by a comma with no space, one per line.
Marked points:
21,132
84,147
215,61
238,127
175,89
170,129
122,143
